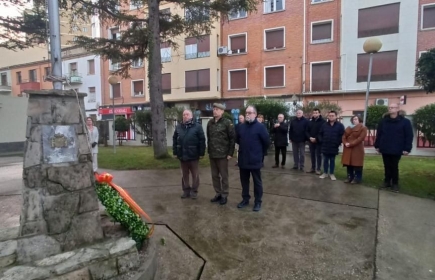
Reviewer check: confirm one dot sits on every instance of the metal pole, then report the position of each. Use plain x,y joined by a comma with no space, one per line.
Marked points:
113,125
368,88
55,47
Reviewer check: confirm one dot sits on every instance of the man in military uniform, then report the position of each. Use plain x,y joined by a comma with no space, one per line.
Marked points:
220,144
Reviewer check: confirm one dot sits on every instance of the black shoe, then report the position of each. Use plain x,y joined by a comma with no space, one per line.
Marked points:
282,167
385,185
185,195
217,198
257,207
194,195
302,170
275,166
223,201
311,171
295,168
243,204
395,188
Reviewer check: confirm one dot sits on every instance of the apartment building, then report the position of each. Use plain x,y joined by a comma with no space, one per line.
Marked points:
30,76
313,50
191,74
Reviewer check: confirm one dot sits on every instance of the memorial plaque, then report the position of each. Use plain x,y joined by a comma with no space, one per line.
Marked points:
59,143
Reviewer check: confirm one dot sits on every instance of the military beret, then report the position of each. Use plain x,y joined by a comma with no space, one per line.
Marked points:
218,105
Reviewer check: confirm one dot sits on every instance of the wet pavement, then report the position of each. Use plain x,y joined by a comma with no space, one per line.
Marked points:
308,228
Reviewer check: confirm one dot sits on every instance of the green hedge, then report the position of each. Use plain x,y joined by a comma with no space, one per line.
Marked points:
119,210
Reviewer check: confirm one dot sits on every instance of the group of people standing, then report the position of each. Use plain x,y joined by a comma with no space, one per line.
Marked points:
393,139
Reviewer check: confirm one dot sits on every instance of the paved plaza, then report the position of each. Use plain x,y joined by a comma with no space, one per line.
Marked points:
308,228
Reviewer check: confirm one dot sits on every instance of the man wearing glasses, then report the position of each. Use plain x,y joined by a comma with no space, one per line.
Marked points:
253,141
393,139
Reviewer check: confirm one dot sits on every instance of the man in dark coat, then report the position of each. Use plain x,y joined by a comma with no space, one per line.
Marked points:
241,121
220,144
393,139
297,135
253,141
189,146
312,134
280,131
330,137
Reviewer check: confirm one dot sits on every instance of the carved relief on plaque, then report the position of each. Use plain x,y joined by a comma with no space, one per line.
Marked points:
59,143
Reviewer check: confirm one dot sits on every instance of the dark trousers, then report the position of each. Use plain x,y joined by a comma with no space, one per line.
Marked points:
219,176
391,167
299,154
316,156
283,152
354,172
187,168
328,164
245,174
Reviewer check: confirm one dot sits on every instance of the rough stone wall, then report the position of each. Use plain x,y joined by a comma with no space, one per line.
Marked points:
59,198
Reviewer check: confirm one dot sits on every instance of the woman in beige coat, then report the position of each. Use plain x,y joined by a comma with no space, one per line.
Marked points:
93,140
353,150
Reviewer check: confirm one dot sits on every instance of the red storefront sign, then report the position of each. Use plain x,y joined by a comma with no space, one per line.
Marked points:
118,111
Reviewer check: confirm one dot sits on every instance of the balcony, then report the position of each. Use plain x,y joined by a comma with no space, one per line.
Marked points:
29,85
5,88
74,78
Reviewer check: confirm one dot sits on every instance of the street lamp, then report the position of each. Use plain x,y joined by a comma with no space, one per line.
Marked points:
113,80
371,46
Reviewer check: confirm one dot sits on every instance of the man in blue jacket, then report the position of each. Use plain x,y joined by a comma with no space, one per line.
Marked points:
297,136
393,139
253,141
189,146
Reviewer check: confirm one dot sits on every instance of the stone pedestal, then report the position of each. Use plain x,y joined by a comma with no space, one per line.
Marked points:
60,206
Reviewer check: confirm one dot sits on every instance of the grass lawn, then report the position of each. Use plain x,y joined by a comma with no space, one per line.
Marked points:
136,158
417,174
416,177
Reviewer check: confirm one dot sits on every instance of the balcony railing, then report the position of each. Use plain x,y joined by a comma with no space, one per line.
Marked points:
29,85
5,87
74,78
197,55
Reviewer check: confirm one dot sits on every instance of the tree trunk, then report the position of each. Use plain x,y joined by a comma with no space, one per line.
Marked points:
155,81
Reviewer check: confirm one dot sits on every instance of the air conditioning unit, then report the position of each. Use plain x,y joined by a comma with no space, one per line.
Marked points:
382,101
223,50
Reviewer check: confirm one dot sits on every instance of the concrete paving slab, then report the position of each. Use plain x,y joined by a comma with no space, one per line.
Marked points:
406,238
289,239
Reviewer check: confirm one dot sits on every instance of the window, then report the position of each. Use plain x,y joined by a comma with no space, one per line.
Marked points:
137,88
115,90
135,4
85,29
319,1
165,14
321,76
273,5
92,96
75,38
47,71
166,83
274,39
91,67
379,20
197,80
137,63
114,34
237,43
384,66
274,76
237,14
165,52
32,75
198,14
114,64
73,69
4,79
19,78
197,47
237,79
321,32
428,16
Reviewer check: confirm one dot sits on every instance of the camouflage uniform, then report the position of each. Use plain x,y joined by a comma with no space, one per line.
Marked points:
220,143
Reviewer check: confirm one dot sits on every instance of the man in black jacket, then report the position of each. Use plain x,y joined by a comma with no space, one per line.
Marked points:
298,126
312,133
280,131
189,146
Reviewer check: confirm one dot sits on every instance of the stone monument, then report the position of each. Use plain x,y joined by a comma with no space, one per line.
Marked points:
60,206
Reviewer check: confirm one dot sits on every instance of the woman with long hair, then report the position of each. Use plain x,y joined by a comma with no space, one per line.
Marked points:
353,150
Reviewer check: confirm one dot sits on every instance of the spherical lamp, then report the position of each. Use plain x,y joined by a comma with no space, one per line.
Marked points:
372,45
113,79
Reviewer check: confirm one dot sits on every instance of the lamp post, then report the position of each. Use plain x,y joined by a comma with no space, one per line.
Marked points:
371,46
113,80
